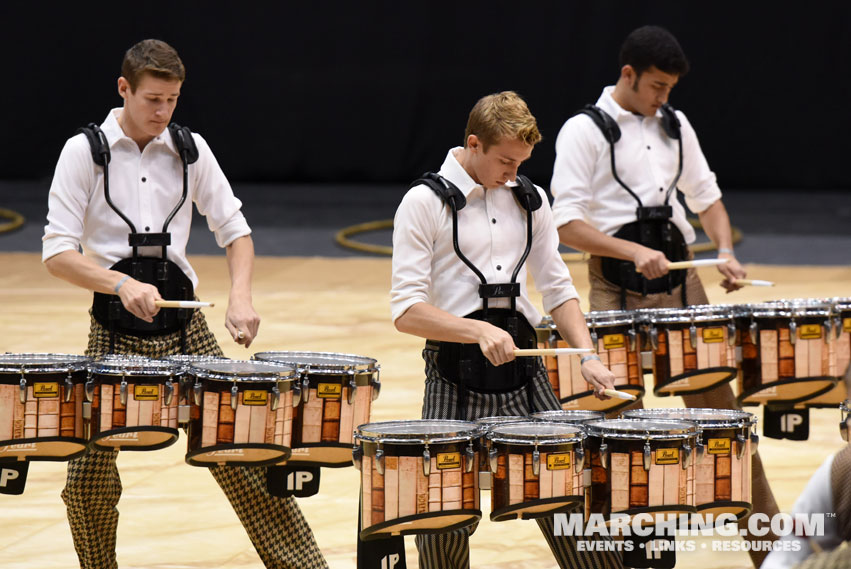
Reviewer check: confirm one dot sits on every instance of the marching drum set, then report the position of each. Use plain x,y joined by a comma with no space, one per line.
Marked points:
425,476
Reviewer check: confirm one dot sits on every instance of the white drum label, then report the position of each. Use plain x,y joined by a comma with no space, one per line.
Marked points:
448,460
809,332
42,389
613,341
329,390
667,456
254,397
718,446
558,461
146,392
713,335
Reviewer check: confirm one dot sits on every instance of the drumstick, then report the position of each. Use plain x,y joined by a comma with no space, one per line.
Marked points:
552,351
692,263
182,304
752,282
619,394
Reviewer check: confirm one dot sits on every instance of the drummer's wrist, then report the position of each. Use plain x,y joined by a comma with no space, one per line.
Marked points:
589,357
726,251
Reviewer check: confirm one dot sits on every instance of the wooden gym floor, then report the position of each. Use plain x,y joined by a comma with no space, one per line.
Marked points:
174,516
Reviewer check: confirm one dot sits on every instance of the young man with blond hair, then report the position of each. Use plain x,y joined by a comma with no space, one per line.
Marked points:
145,179
469,298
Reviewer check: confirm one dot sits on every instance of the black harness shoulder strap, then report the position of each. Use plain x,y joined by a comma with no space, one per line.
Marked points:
670,122
445,190
98,143
604,121
526,193
186,147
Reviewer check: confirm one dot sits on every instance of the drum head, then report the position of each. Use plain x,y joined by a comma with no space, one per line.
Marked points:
536,432
321,362
114,364
243,370
706,418
488,422
42,363
609,318
418,431
697,313
640,429
576,416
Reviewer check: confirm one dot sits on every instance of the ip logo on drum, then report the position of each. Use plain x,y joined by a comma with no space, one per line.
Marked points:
13,477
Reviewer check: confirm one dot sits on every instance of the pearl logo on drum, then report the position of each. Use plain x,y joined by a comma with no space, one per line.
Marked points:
448,460
254,397
667,456
329,390
560,461
718,446
713,335
41,389
146,392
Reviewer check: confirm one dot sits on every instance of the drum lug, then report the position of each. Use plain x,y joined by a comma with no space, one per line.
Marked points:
234,396
752,330
687,457
692,334
837,327
69,388
357,456
23,390
631,334
580,458
647,455
793,332
594,337
471,456
122,391
426,462
296,393
700,451
754,443
353,386
492,455
379,461
536,462
731,333
828,329
305,389
604,454
376,385
741,438
276,398
654,338
169,392
90,389
196,390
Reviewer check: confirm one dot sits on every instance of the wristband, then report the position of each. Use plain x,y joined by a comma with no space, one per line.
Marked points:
584,359
725,250
120,283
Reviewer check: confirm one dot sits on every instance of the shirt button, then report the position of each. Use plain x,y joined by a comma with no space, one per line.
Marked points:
648,147
147,228
661,190
499,267
493,220
144,179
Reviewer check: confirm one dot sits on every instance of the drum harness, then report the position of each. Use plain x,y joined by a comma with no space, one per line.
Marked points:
161,272
464,364
653,227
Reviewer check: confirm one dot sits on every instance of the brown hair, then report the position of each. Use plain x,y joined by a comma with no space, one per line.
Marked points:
502,115
154,57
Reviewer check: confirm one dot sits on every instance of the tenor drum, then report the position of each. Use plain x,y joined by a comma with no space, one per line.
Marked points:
131,403
417,477
840,349
694,348
41,406
640,466
183,362
788,351
537,469
615,335
244,413
337,393
726,442
486,424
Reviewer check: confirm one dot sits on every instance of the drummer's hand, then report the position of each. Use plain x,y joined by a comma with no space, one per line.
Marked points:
650,262
598,376
732,271
242,321
496,344
138,298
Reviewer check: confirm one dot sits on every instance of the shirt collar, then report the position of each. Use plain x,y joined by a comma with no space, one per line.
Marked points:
608,104
114,132
455,173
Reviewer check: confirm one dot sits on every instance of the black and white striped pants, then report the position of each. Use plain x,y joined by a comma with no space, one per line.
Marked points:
451,550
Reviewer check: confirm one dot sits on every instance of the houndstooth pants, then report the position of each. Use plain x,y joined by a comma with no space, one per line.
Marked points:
276,526
451,550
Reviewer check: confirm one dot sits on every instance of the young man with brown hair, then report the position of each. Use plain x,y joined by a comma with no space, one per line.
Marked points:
145,177
469,298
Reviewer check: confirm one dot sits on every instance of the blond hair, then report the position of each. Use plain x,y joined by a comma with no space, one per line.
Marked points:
154,57
502,115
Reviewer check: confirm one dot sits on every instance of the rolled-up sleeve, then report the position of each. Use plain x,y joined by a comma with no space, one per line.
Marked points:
414,228
698,182
552,278
68,199
573,170
214,198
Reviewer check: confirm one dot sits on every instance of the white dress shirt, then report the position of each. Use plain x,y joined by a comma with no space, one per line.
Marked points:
145,186
817,498
491,234
646,159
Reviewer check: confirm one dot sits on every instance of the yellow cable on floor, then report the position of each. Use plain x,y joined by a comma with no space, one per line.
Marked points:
15,220
343,238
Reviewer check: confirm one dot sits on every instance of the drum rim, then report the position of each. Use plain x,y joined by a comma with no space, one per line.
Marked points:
493,435
283,373
735,419
72,363
685,430
603,318
554,415
796,307
500,420
123,365
696,313
368,433
357,363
